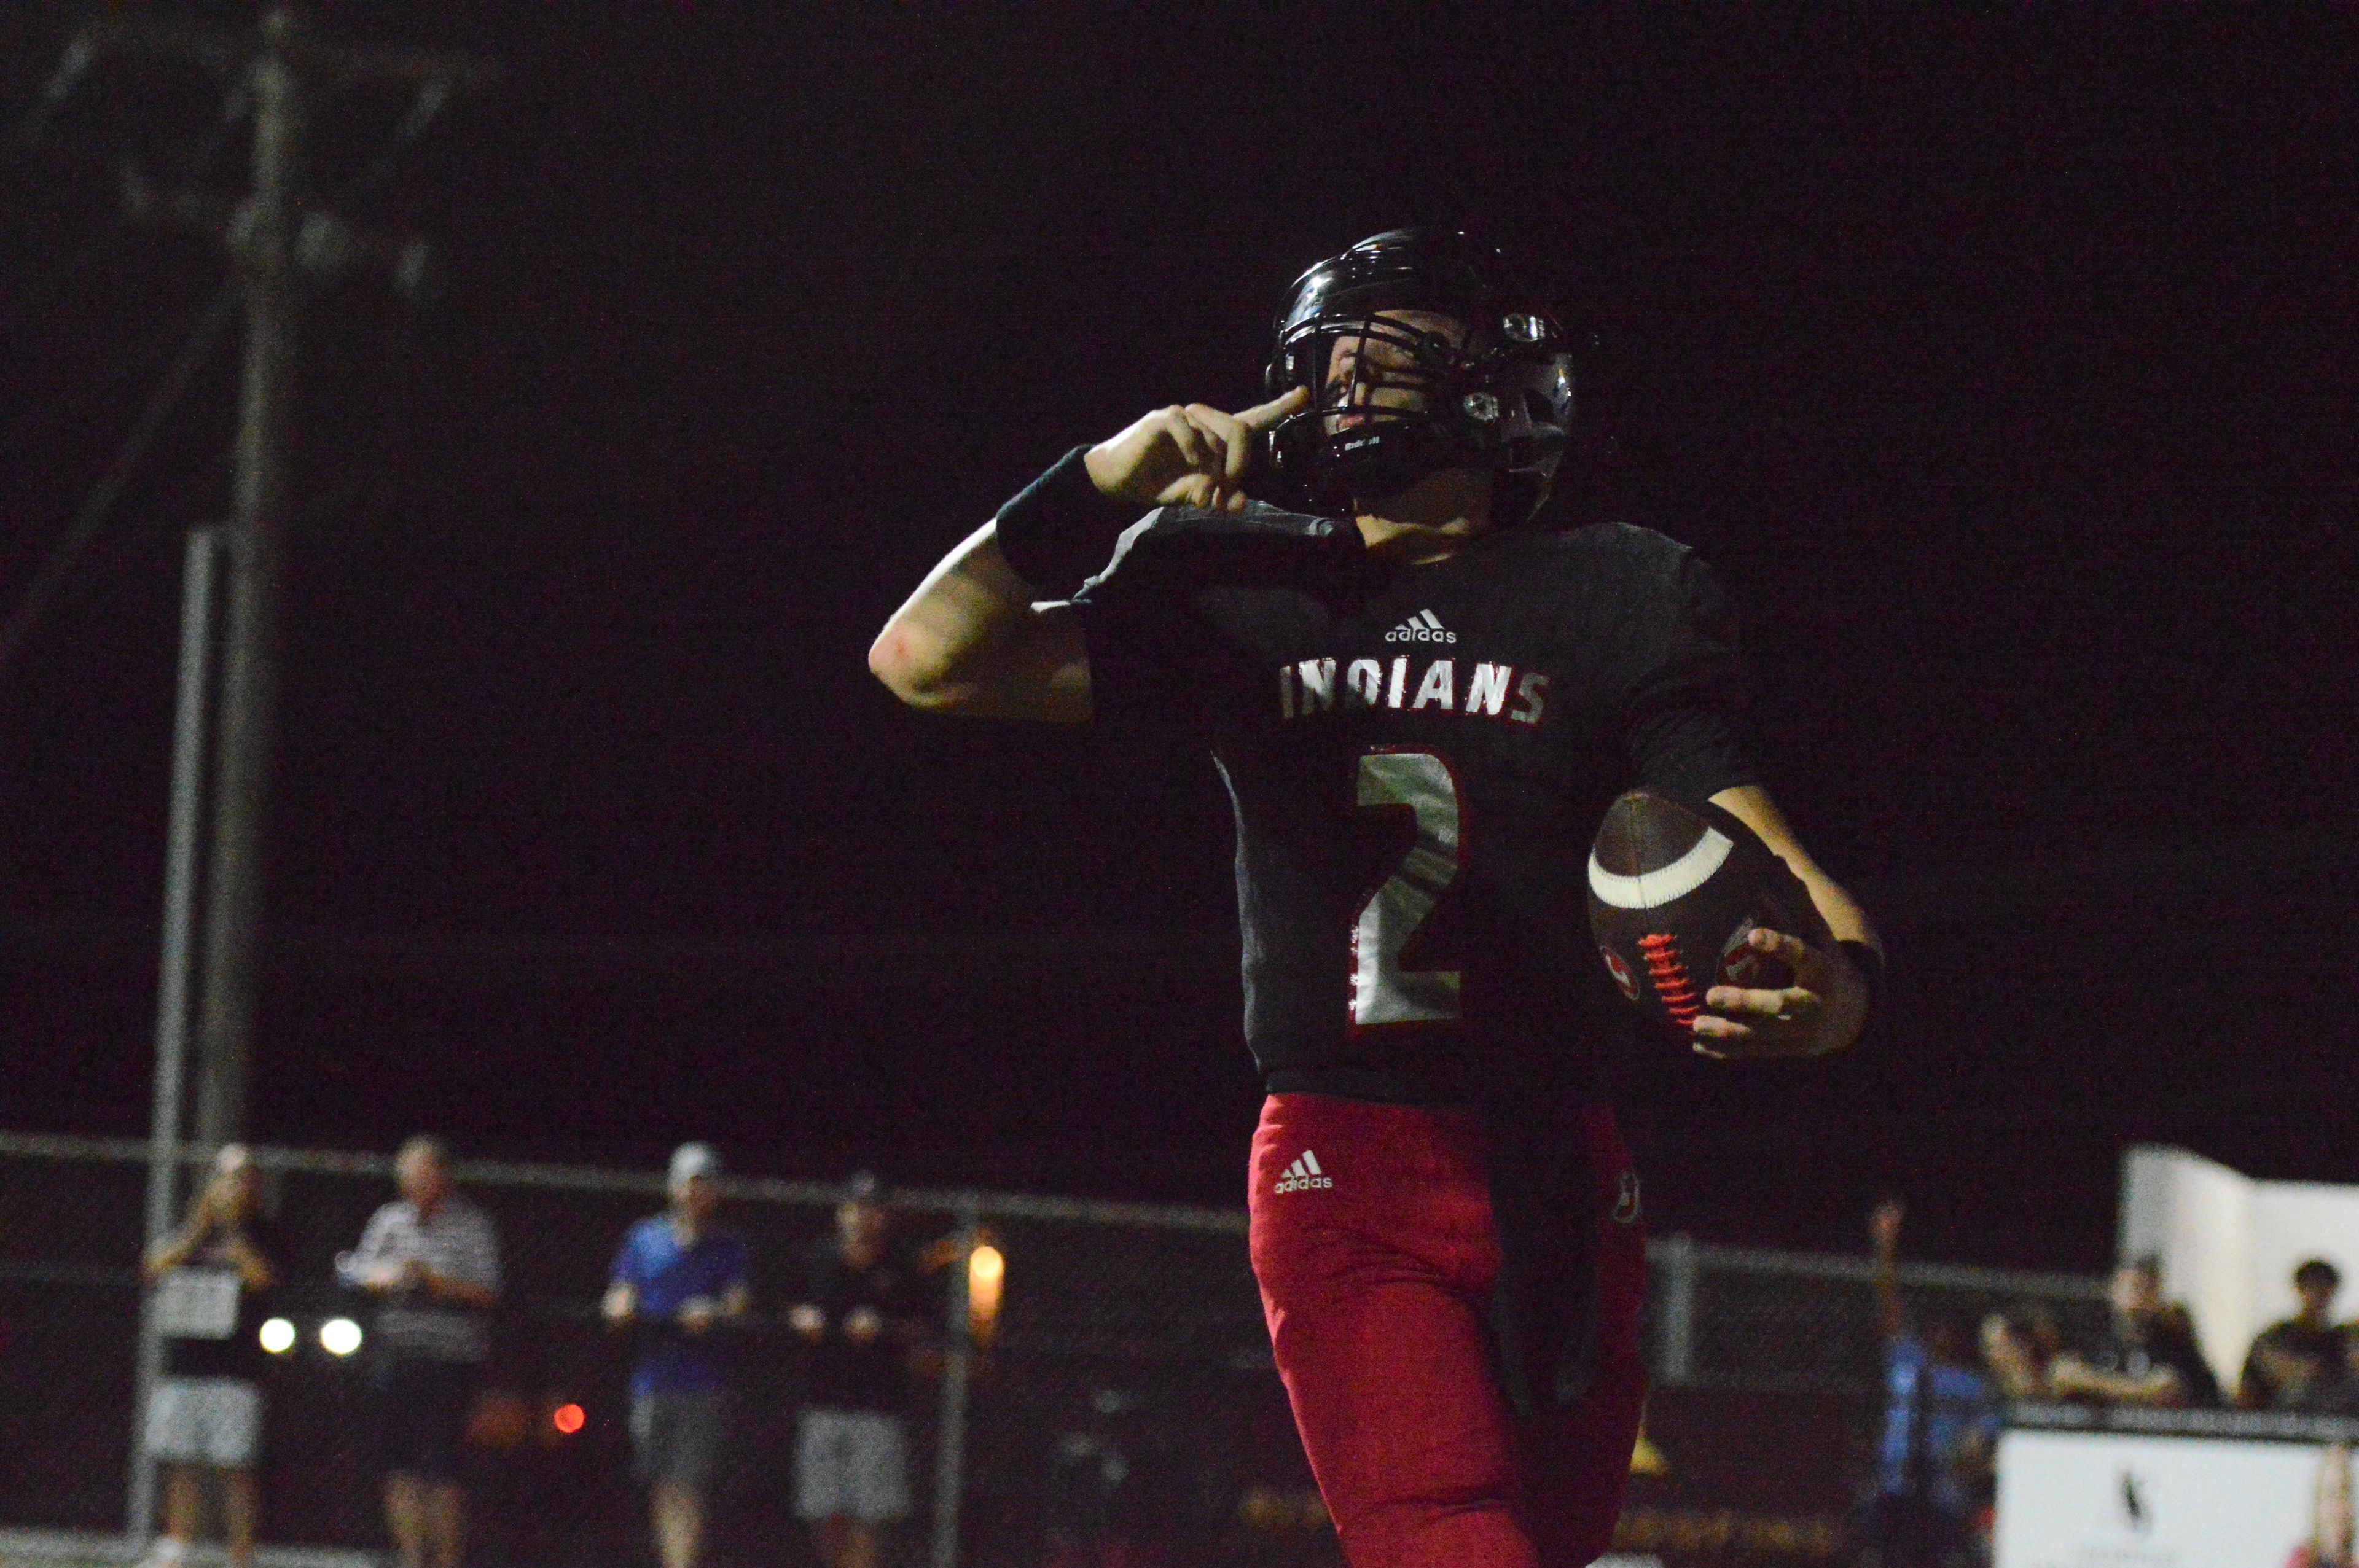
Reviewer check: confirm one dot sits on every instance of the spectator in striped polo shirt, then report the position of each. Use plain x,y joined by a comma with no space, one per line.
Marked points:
431,1260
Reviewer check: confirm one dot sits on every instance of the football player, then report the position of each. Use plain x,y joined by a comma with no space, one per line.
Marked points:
1421,699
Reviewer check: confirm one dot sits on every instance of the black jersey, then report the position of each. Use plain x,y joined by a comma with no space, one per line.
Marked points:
1419,758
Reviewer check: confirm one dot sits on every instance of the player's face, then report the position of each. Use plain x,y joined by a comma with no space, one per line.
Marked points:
2317,1300
1370,372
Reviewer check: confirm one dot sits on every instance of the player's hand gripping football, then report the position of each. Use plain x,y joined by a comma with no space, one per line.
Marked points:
1187,456
1821,1011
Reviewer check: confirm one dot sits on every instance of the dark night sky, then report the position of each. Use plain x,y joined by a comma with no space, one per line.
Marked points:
2001,358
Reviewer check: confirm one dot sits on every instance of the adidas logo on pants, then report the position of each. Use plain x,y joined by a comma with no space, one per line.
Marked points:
1303,1176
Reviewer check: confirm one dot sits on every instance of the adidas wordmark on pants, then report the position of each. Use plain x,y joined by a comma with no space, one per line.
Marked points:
1304,1174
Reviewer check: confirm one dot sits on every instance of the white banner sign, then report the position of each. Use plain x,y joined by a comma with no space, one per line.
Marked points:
197,1304
2096,1500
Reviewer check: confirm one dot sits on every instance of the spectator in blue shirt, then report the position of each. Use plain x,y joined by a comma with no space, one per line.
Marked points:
1940,1425
676,1282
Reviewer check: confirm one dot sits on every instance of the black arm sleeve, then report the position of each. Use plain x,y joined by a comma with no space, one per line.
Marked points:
1685,712
1058,529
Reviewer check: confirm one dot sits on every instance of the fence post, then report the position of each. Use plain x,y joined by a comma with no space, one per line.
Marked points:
958,1365
191,725
1678,1347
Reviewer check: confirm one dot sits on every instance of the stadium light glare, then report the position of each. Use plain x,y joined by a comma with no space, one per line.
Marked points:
277,1336
340,1337
568,1419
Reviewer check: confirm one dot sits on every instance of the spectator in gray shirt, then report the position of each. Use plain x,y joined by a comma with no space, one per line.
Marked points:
431,1260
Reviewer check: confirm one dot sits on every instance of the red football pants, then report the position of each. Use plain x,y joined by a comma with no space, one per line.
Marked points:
1376,1269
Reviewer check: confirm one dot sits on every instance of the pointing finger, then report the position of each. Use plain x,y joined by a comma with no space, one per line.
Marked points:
1229,435
1266,415
1194,450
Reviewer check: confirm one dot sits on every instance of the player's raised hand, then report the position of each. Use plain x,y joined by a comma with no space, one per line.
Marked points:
1820,1012
1188,455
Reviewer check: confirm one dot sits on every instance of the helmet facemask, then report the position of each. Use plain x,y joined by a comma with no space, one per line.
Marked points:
1379,384
1419,359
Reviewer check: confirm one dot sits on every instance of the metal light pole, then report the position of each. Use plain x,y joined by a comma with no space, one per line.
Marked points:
249,694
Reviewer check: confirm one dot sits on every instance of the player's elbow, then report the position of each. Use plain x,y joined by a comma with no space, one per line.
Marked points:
910,670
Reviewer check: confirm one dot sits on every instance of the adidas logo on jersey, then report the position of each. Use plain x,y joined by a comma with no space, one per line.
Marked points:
1303,1176
1421,627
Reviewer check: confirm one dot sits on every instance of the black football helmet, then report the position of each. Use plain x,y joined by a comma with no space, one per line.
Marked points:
1392,403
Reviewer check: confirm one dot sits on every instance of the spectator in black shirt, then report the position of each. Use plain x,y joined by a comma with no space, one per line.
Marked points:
2303,1362
2151,1356
211,1282
857,1314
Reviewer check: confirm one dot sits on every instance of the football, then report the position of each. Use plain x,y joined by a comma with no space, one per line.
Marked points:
1674,888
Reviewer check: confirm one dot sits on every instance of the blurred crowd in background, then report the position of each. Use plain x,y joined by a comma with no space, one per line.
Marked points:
1949,1380
860,1313
428,1265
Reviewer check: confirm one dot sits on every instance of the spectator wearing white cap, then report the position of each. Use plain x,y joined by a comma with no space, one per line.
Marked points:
677,1281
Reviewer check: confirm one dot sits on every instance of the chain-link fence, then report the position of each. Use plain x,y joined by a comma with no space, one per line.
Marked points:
1123,1392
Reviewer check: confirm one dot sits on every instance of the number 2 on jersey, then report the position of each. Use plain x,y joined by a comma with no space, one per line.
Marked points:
1382,991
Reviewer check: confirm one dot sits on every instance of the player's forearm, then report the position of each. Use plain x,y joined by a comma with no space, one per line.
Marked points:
1751,805
1842,913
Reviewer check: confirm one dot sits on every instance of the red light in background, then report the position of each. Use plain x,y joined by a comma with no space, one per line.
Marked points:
568,1419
